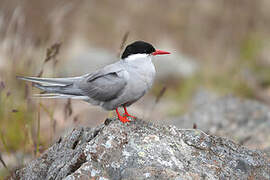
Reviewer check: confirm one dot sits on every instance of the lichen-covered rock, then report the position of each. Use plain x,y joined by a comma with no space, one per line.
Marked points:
141,150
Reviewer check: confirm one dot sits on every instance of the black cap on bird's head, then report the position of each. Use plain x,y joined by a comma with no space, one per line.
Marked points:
141,47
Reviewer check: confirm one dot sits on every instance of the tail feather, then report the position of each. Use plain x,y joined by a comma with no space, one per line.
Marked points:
52,81
57,87
67,89
53,96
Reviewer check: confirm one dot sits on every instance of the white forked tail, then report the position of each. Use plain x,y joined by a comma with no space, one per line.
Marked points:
60,96
51,81
57,87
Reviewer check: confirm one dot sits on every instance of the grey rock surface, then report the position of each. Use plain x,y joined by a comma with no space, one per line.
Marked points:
142,150
245,121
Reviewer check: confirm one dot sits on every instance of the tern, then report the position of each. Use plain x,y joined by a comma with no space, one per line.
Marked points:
116,85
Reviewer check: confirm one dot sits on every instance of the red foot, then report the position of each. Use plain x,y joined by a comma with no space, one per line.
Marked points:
121,118
127,114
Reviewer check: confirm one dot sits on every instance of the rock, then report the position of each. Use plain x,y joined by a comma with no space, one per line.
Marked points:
244,121
142,150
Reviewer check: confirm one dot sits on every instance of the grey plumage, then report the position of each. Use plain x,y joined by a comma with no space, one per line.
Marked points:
109,87
115,85
105,84
52,81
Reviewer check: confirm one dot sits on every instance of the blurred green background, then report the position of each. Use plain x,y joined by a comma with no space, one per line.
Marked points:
221,46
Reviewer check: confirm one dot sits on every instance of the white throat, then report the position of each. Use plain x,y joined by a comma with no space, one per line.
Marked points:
141,68
138,57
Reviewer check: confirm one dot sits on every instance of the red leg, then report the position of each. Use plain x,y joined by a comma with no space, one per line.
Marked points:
121,118
127,114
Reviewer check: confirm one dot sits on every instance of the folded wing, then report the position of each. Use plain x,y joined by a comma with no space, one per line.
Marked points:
104,87
100,86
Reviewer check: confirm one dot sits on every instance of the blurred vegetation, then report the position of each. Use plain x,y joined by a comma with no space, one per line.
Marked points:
15,124
229,39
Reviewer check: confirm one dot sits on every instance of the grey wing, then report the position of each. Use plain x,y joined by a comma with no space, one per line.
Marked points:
104,85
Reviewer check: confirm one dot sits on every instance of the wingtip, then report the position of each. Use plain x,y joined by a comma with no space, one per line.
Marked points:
24,78
18,77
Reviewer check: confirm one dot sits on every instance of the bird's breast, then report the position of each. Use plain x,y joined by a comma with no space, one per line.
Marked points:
142,74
